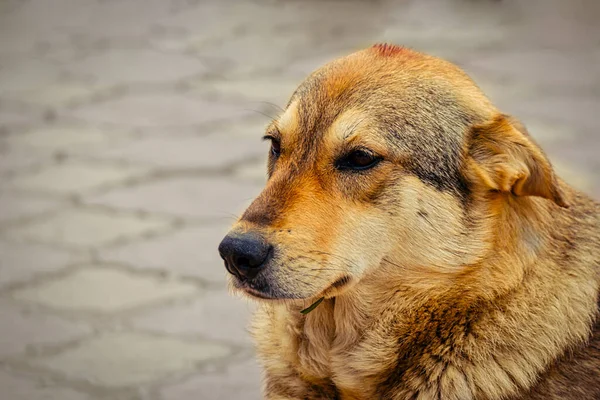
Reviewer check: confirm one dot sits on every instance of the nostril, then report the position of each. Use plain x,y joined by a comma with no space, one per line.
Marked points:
242,262
229,267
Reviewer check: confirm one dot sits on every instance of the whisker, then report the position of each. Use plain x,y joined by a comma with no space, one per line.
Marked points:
260,112
275,106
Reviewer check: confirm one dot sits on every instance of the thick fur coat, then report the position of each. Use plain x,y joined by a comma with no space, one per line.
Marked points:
453,263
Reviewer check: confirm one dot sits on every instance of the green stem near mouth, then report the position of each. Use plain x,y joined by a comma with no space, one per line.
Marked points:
312,306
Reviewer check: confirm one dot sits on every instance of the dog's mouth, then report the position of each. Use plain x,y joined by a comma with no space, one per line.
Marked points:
262,290
260,294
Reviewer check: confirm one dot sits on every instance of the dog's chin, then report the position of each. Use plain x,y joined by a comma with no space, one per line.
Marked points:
259,290
259,295
266,292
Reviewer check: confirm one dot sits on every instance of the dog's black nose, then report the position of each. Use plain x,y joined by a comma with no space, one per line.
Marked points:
244,254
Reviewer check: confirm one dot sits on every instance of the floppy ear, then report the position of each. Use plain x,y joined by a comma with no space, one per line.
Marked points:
505,159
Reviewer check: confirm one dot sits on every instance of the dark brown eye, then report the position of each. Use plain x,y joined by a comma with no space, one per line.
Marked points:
358,160
275,147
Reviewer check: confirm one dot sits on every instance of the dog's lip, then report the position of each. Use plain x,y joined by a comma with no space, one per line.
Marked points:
251,291
247,288
258,294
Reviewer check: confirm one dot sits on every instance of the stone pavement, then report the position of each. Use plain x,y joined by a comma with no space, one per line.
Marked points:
130,139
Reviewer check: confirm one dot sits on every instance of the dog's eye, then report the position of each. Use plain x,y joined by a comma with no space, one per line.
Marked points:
358,160
275,146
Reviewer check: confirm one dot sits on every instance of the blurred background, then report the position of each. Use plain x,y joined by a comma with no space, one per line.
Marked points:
130,139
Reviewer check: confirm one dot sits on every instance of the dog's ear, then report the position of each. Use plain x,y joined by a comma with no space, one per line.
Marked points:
505,158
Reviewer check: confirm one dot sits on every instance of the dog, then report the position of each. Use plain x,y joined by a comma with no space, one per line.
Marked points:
413,242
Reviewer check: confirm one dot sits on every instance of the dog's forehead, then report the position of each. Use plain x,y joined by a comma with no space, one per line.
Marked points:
352,83
384,75
343,126
323,107
421,106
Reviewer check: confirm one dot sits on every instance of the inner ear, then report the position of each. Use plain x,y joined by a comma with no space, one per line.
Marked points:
504,158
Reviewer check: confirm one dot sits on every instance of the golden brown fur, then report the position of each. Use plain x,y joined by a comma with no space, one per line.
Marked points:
459,267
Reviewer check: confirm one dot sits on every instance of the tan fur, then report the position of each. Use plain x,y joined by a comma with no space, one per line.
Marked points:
459,267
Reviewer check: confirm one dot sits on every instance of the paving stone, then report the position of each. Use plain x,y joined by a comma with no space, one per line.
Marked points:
122,359
217,315
166,110
20,388
18,40
82,227
179,41
189,151
454,44
37,21
187,252
219,198
63,50
548,133
204,67
294,30
9,6
207,18
330,22
241,381
12,160
580,152
75,177
560,69
556,24
503,93
574,176
27,74
460,24
136,66
564,110
253,172
301,68
253,128
103,290
250,53
14,206
10,117
51,139
120,19
20,330
211,22
277,90
60,94
21,262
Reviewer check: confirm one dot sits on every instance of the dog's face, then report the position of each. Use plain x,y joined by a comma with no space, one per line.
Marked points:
370,164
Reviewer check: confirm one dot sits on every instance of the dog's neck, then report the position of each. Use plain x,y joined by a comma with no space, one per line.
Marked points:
472,325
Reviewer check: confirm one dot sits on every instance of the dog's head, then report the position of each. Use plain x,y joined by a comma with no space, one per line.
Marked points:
378,159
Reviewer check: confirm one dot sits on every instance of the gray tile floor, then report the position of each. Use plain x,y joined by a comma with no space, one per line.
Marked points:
130,138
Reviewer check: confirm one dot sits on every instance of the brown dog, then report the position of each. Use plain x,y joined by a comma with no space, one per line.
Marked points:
448,259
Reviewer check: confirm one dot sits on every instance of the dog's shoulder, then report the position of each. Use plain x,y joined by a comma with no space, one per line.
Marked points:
576,375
